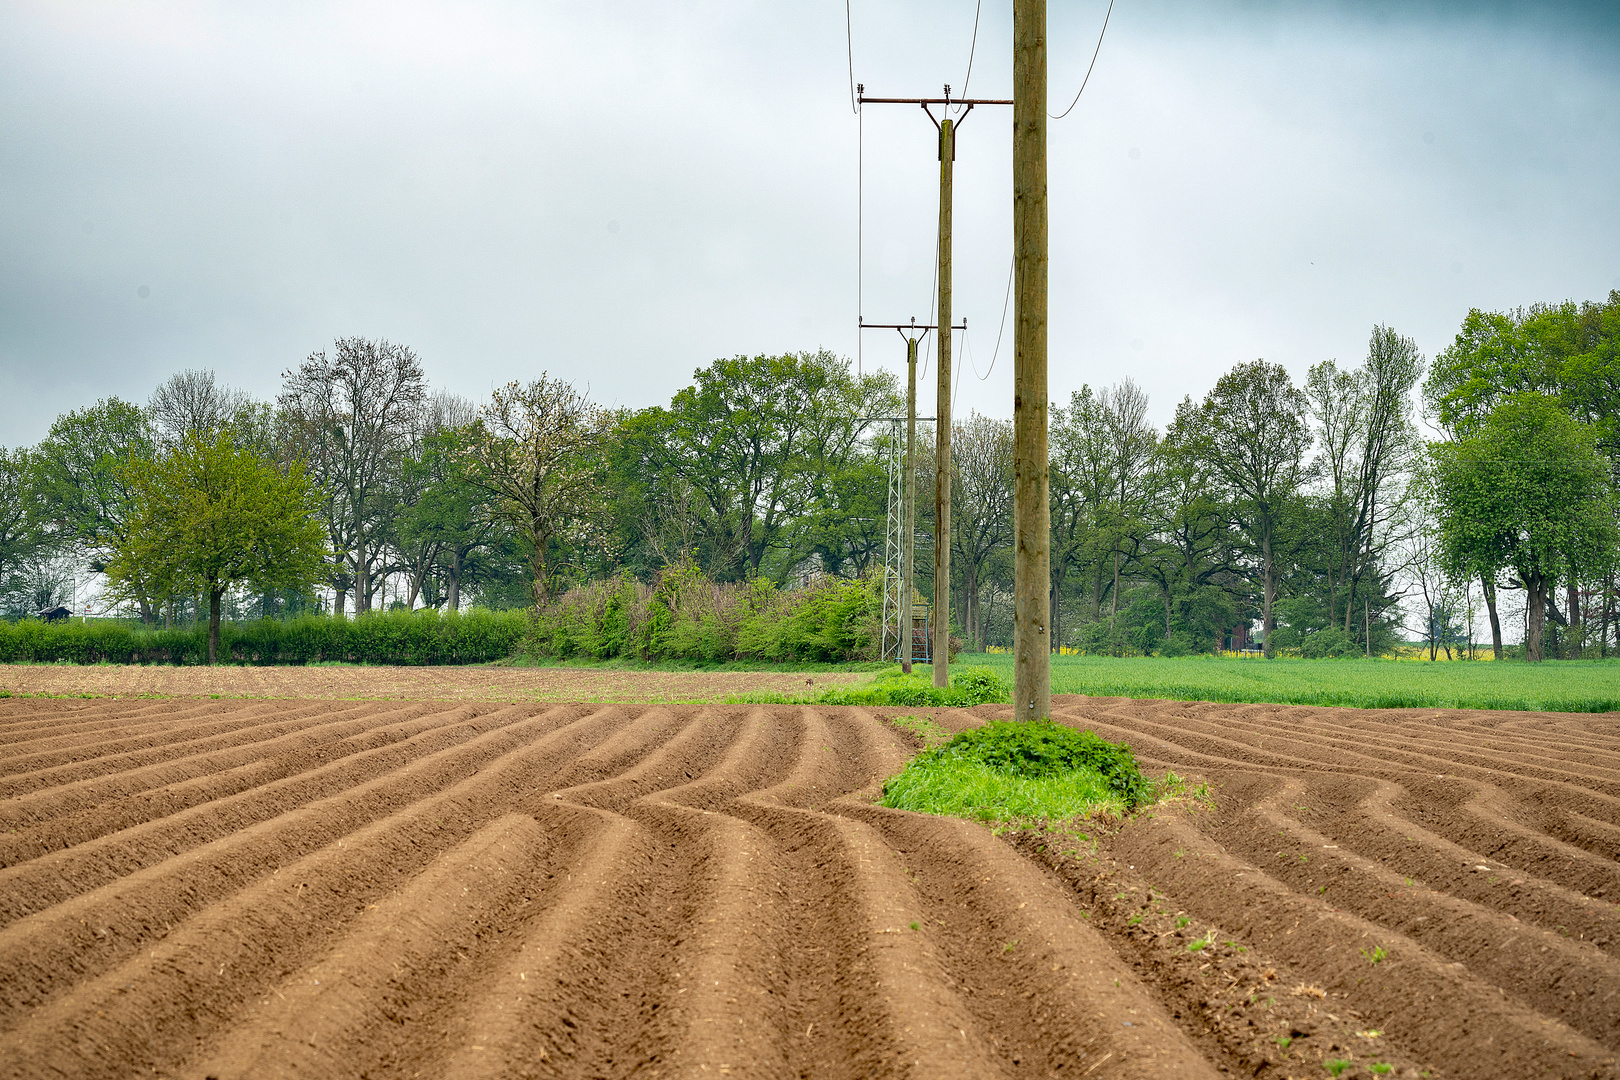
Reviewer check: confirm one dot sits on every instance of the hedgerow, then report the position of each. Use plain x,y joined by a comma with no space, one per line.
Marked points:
399,637
685,616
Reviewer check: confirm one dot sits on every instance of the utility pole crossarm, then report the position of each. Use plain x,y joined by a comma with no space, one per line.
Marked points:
908,326
933,101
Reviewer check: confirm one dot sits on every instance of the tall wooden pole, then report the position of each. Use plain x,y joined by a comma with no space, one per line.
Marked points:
908,511
941,646
1032,646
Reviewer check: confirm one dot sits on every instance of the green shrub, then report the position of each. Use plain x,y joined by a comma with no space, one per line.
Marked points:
1040,749
1020,771
1332,642
968,687
395,637
683,616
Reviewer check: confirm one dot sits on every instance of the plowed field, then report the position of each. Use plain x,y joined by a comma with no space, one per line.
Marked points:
400,889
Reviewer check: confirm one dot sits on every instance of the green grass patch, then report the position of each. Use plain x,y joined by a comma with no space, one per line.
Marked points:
1020,772
524,660
969,686
930,733
1551,686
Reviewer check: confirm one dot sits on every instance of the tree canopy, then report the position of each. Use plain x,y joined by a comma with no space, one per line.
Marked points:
206,515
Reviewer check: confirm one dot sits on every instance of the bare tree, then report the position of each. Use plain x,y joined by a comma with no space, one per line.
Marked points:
1082,476
193,403
1132,442
1368,445
536,448
981,511
352,415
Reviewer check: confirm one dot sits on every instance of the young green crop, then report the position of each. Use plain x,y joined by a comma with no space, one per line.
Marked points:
1555,686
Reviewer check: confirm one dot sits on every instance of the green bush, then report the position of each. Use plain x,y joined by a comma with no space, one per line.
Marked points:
1019,771
396,637
1040,749
1332,642
683,616
968,687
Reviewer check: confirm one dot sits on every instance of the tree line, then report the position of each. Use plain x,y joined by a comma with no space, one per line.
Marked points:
1313,517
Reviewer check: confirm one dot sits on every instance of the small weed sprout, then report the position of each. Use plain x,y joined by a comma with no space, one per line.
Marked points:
1182,920
1284,1041
915,926
1336,1065
1381,1067
1200,944
1375,955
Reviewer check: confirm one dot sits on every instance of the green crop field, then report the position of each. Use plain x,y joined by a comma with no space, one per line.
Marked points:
1555,685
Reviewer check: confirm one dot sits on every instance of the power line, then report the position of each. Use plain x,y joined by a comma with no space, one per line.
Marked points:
972,49
1077,93
849,43
1004,302
860,227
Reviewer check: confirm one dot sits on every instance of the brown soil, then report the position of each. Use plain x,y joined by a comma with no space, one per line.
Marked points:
245,888
479,683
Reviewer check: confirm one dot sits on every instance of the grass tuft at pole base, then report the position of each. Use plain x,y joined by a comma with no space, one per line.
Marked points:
1021,772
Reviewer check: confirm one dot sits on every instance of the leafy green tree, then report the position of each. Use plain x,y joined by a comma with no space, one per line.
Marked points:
1252,431
446,520
755,445
208,515
81,478
21,534
1568,351
1525,493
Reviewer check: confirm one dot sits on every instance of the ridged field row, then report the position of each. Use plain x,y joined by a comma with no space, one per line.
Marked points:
199,888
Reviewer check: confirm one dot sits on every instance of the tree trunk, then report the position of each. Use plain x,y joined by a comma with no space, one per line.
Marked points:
1167,613
453,596
1489,588
1572,608
1057,606
1535,617
1265,620
213,624
340,602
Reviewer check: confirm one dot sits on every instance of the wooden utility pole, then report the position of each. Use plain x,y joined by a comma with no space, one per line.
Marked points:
940,648
908,513
1032,579
912,334
940,641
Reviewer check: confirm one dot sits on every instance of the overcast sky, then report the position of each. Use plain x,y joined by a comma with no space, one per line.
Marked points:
619,193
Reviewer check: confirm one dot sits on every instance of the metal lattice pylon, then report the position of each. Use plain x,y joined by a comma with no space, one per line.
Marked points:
893,536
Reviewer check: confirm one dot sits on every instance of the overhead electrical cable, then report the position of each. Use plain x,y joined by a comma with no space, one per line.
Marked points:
999,330
1077,93
849,43
972,48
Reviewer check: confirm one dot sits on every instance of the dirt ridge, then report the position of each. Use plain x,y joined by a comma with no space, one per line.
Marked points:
468,889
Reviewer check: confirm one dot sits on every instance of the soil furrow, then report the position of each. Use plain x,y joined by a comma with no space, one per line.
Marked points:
402,958
42,955
77,814
329,889
1537,968
384,776
1484,1032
